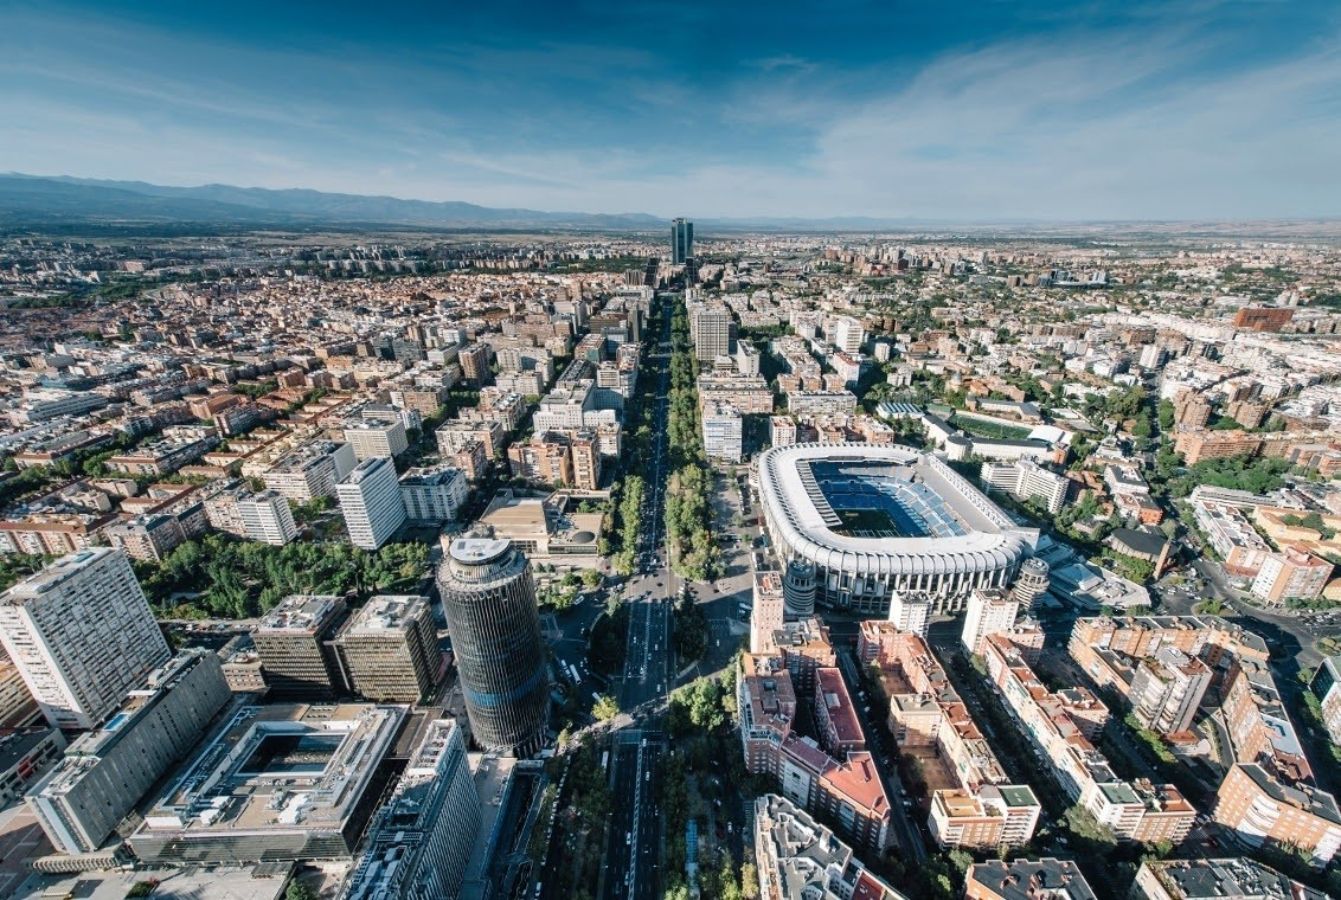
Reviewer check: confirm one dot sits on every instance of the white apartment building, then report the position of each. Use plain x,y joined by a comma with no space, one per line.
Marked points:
312,471
433,495
266,517
723,432
370,500
1025,479
847,334
81,634
989,611
377,438
910,611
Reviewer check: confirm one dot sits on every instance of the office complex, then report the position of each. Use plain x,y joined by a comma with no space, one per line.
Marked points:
874,520
419,843
106,771
274,783
293,641
81,633
388,650
682,241
266,517
370,500
488,595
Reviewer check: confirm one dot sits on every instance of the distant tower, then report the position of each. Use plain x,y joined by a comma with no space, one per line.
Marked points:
798,589
1030,584
682,241
488,595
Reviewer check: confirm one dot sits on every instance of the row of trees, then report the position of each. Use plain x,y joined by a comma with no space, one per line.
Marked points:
693,553
220,576
630,521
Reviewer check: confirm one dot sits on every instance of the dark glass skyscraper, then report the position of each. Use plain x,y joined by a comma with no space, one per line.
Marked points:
682,241
488,594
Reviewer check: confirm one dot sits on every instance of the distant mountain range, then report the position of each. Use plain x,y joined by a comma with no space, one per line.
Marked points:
61,202
27,200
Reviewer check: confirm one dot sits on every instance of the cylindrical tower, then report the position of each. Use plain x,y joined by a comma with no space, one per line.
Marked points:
798,589
1030,584
488,596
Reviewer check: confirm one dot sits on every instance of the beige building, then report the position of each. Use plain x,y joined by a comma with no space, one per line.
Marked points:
389,650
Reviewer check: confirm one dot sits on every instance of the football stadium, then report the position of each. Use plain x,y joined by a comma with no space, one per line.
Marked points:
874,520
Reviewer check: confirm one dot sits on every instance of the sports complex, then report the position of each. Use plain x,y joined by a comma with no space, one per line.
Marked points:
875,520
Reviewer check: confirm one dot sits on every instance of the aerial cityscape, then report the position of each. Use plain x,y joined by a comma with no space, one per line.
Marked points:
789,506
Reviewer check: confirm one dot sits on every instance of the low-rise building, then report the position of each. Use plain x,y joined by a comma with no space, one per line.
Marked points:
1026,879
1232,878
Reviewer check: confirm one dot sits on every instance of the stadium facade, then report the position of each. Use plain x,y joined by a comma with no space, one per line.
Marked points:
876,520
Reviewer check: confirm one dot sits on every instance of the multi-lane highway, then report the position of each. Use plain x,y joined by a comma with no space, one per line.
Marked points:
635,838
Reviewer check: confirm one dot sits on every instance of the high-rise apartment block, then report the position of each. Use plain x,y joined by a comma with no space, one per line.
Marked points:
1167,689
293,640
1264,812
388,650
712,329
767,612
421,840
311,472
1191,411
723,432
847,334
106,771
488,595
81,633
1025,479
989,611
1292,574
434,495
370,500
266,517
376,438
910,611
1326,686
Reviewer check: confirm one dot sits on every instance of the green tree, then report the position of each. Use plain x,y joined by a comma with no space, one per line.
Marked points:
605,708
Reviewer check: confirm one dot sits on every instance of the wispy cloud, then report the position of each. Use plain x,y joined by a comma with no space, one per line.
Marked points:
1104,110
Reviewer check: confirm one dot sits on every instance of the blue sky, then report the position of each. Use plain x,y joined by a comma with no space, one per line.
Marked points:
986,110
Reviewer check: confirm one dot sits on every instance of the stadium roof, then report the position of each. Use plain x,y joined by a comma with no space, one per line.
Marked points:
797,505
